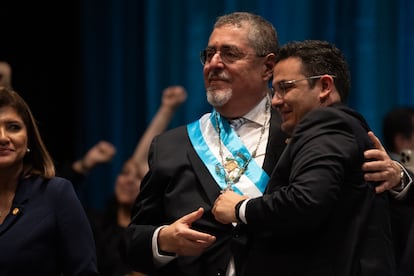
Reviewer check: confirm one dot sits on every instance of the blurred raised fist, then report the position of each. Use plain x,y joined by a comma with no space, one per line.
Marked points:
174,96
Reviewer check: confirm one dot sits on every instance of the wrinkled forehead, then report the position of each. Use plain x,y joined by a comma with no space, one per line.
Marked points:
229,35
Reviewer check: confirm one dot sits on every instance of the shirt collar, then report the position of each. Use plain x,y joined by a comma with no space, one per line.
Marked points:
257,114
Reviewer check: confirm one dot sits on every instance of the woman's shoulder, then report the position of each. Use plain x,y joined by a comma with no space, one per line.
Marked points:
56,189
59,180
55,185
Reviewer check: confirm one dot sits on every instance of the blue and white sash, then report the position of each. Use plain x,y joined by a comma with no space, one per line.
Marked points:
204,138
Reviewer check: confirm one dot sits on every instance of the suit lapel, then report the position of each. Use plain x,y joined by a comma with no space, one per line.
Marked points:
24,191
206,180
275,144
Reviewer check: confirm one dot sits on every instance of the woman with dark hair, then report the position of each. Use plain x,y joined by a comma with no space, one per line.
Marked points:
43,227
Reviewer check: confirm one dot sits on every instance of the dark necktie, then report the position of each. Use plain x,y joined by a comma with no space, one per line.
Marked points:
237,123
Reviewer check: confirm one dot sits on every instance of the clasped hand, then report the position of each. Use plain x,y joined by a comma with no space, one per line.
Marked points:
381,169
224,207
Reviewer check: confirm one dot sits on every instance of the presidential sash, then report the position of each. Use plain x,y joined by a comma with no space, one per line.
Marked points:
204,137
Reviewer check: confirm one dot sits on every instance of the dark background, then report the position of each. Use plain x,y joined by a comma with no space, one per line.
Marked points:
41,43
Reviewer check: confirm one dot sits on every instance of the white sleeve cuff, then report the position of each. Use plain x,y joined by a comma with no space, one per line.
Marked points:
242,211
399,195
159,260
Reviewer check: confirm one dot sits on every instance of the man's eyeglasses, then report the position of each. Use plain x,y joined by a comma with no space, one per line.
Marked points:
283,87
227,54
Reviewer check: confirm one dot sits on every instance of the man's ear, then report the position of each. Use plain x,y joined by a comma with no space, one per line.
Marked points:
270,62
327,88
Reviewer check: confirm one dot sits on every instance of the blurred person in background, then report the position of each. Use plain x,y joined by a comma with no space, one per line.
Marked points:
5,74
398,133
109,226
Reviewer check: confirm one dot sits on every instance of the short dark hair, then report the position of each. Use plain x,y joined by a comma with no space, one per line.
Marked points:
399,120
319,57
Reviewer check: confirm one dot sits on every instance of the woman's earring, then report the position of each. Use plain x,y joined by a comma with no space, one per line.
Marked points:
27,150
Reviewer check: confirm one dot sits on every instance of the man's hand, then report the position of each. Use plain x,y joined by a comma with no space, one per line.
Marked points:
180,239
223,209
382,169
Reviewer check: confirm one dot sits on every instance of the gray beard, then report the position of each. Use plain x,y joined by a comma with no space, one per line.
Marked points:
218,98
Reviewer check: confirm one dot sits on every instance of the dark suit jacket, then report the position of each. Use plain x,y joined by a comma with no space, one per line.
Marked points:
406,267
403,226
179,183
318,217
402,218
47,233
